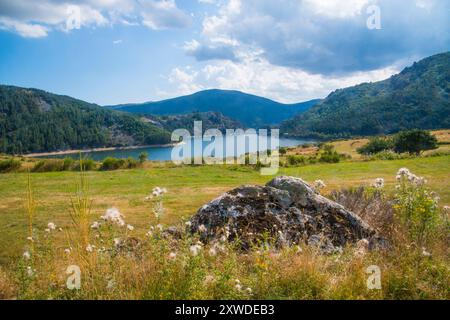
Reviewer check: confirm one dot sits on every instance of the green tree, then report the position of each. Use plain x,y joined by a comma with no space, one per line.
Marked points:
376,145
143,156
414,141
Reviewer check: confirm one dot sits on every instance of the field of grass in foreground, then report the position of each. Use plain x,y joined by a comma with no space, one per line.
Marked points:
163,269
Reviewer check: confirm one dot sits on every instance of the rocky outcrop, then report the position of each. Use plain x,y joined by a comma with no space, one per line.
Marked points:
286,211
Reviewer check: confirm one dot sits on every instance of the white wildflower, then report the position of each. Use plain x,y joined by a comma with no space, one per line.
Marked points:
319,185
238,287
249,290
195,249
223,238
30,239
130,227
446,209
90,248
111,284
172,256
158,192
27,255
212,251
60,229
47,230
160,227
96,225
188,223
67,251
113,215
379,183
202,228
51,226
149,233
30,271
425,253
117,242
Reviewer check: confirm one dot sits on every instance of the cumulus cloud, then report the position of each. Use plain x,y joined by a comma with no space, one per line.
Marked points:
328,37
258,76
37,18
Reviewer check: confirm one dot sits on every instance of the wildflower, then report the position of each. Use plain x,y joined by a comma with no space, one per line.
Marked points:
30,271
27,255
47,230
299,249
67,251
319,185
223,238
51,226
111,284
30,239
117,242
90,248
446,209
130,227
172,256
202,228
113,215
195,249
249,290
379,183
149,233
158,192
160,227
425,253
188,223
212,251
96,225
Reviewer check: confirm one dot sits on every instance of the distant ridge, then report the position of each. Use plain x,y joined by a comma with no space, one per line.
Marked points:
418,97
251,110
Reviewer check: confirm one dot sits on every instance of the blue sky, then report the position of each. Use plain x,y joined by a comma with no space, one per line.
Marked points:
120,51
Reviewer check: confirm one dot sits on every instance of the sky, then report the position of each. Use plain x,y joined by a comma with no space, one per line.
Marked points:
128,51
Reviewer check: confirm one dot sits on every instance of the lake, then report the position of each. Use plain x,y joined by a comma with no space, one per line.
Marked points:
165,153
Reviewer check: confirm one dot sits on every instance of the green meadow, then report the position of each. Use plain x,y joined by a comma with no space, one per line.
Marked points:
189,187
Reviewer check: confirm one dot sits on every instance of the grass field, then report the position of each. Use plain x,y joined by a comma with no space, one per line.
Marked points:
189,188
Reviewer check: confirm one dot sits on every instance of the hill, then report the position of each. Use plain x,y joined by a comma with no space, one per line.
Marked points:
33,120
210,120
418,97
252,111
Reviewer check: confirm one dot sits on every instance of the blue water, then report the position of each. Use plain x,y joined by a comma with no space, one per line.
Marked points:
165,153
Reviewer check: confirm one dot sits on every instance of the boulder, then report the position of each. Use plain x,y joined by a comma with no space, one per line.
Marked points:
287,211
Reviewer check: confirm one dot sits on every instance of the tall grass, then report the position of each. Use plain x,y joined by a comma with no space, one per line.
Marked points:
119,262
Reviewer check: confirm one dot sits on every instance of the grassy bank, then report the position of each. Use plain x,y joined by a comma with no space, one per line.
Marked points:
189,188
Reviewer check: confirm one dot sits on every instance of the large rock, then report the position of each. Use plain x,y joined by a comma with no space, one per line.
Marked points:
287,211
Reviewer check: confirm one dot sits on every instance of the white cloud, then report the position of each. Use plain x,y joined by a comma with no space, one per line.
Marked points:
37,18
326,36
257,76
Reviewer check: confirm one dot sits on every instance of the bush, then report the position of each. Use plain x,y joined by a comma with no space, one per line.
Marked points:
88,165
414,142
110,163
143,156
9,165
49,165
296,160
376,145
329,155
283,151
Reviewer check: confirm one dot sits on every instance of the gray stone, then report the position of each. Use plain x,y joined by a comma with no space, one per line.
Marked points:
287,210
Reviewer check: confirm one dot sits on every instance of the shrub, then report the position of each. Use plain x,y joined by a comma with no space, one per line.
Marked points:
283,151
143,156
296,160
88,165
131,163
9,165
68,164
329,155
49,165
110,163
376,145
414,142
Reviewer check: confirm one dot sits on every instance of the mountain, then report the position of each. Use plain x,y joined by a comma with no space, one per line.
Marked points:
210,120
418,97
252,111
33,120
